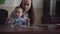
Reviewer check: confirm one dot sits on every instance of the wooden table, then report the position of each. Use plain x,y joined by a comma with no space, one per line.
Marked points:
28,30
5,28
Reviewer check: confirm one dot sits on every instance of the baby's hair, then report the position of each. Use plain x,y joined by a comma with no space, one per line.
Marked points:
17,7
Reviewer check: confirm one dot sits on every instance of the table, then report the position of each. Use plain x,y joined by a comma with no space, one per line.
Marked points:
5,28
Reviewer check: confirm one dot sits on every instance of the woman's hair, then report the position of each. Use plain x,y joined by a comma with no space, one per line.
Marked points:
30,12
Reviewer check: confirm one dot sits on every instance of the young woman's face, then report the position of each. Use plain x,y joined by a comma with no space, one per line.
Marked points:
18,12
26,5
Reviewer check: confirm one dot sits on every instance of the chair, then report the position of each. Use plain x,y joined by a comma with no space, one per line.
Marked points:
3,16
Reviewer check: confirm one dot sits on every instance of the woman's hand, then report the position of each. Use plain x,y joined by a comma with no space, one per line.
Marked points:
27,19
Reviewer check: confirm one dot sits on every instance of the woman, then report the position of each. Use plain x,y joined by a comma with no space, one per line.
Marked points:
28,8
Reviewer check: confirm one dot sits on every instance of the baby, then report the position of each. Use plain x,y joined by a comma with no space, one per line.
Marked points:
17,18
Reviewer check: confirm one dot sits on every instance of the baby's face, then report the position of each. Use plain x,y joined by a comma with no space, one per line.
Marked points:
18,12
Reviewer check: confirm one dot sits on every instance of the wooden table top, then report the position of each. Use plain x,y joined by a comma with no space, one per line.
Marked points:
5,28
